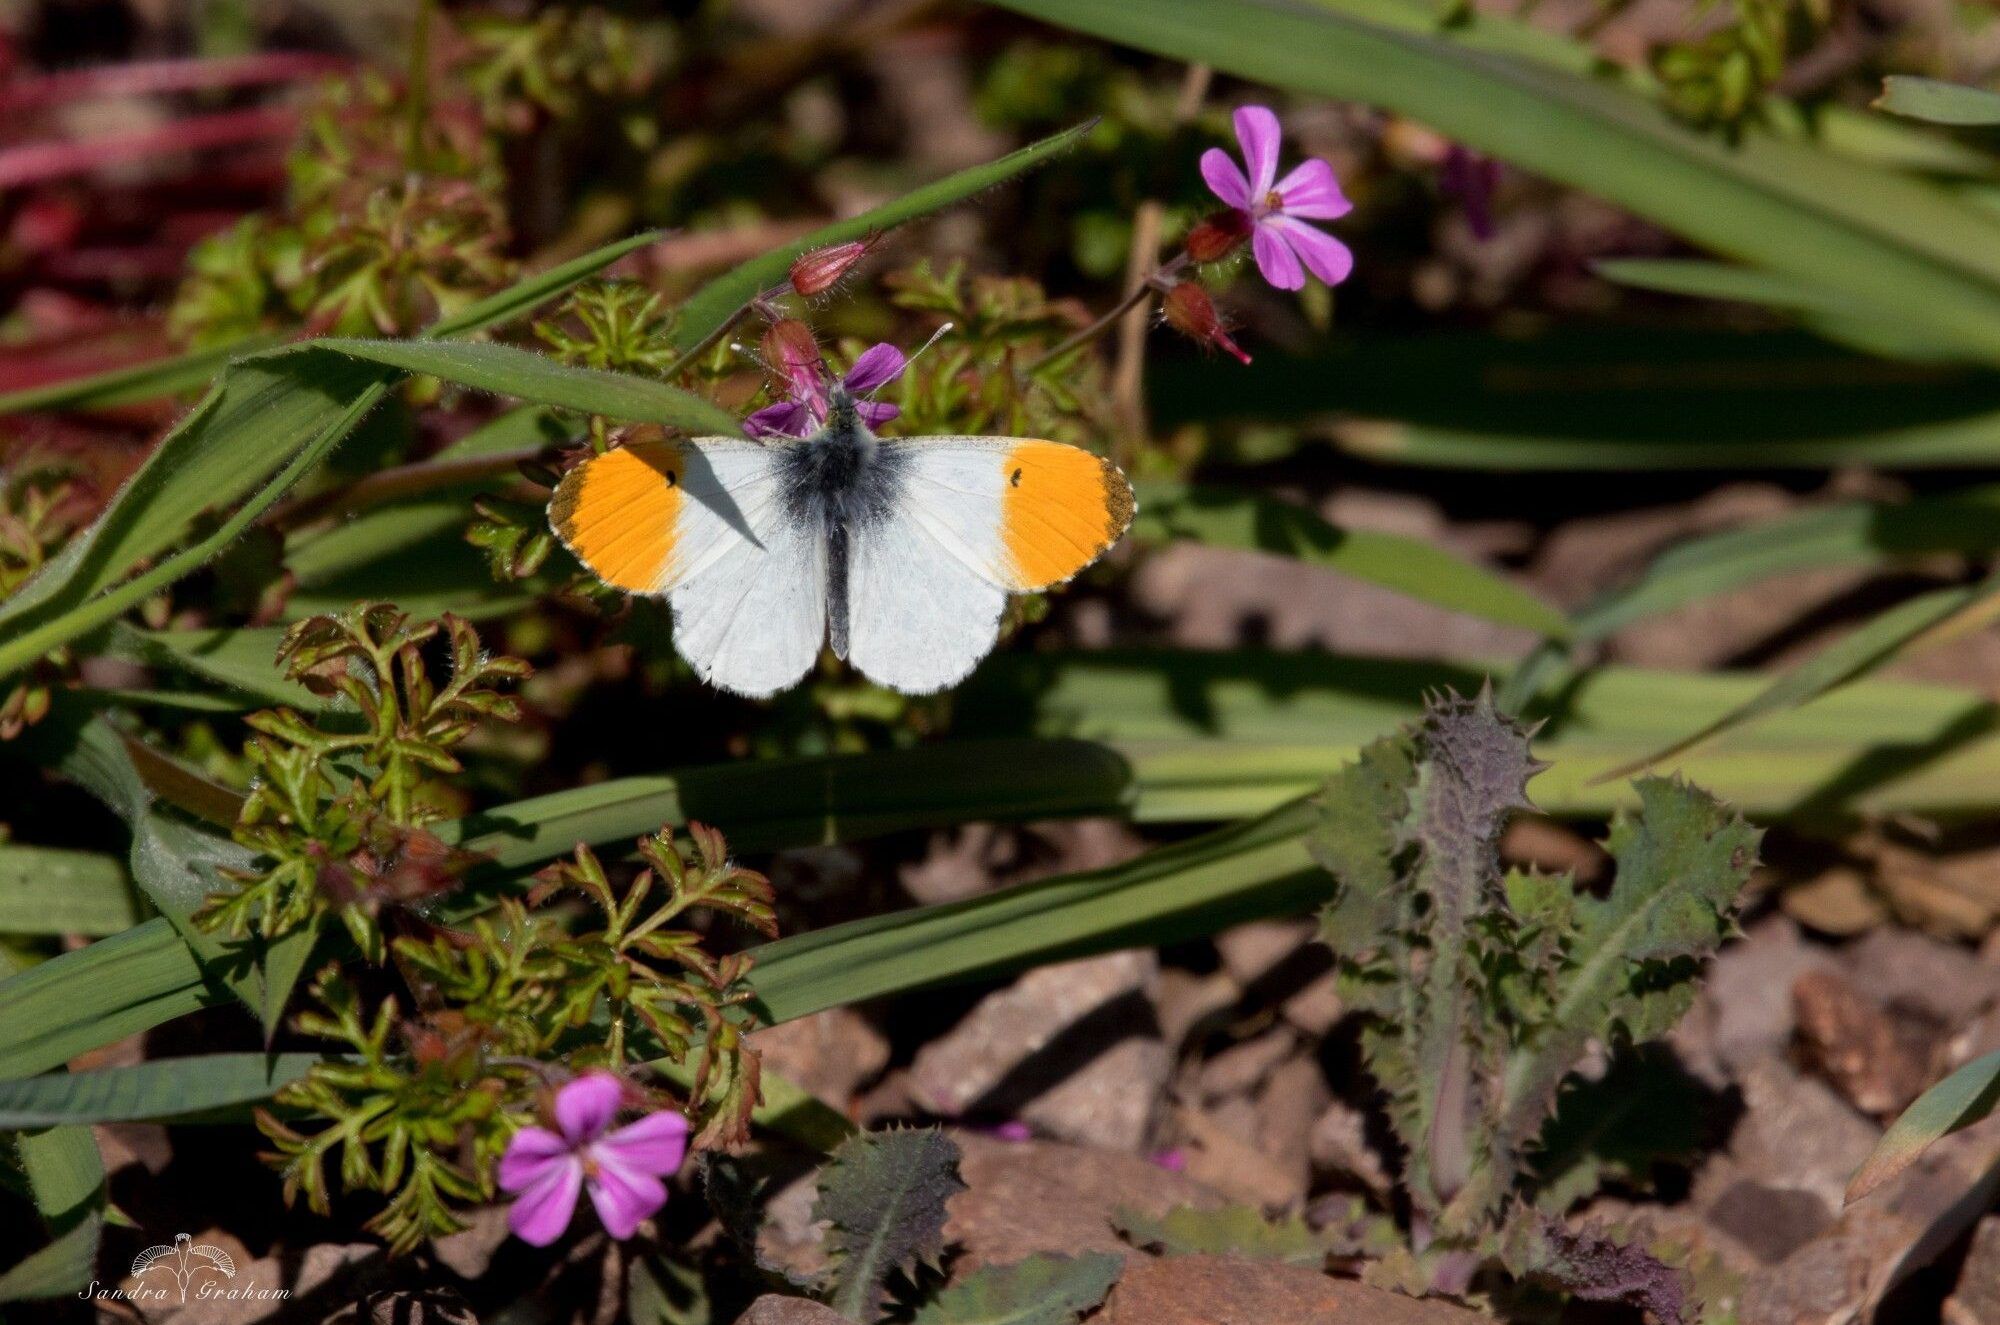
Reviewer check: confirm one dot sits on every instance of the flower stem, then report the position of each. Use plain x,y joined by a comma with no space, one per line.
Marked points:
1143,291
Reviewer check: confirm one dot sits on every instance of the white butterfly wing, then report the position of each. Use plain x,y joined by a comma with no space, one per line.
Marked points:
703,521
975,518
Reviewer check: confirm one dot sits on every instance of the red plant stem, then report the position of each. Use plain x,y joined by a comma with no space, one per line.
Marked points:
147,77
36,163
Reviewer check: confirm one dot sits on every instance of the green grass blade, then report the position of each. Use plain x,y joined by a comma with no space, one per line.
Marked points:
1410,566
1887,637
715,304
66,1179
1957,1102
505,370
1887,241
1938,102
49,890
1605,397
159,1090
140,382
1858,534
1178,892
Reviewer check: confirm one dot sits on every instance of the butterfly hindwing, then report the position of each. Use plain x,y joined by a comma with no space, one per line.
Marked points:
974,519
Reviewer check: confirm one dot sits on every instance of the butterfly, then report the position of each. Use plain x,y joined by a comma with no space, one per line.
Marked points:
899,553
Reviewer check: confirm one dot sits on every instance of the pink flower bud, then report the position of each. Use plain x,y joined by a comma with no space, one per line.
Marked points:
1188,310
792,352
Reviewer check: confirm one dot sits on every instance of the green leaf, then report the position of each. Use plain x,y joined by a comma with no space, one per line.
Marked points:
1410,566
506,370
127,386
712,307
1957,1102
154,1091
1938,102
57,1269
884,1195
1040,1290
1882,640
264,425
243,662
66,1179
174,862
1831,312
1888,241
48,890
1230,1230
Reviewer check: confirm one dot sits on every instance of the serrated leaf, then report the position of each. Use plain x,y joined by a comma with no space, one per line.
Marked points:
884,1196
1230,1230
1041,1290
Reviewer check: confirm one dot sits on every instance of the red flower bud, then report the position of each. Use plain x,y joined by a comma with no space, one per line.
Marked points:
1188,310
1218,235
820,270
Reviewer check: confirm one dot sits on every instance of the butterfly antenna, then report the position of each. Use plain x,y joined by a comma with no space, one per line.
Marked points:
917,354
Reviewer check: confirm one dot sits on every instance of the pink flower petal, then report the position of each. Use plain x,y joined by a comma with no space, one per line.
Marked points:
656,1143
1312,191
1275,257
1325,256
1225,178
786,418
586,1106
543,1211
529,1154
1258,131
623,1196
877,366
875,413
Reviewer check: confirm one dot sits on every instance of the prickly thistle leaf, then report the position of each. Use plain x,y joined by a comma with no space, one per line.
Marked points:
884,1194
1485,988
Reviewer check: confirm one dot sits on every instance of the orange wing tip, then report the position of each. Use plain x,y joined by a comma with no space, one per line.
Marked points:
1061,509
619,512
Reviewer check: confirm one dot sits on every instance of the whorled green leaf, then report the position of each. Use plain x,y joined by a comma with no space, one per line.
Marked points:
883,1195
1410,566
157,1090
1230,1230
1957,1102
1040,1290
57,1268
1938,102
49,890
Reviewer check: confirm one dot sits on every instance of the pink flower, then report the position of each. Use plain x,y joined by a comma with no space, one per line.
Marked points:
546,1170
1277,209
804,410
